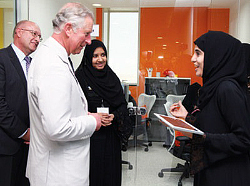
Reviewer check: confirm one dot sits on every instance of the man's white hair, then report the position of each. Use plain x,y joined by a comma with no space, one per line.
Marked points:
74,13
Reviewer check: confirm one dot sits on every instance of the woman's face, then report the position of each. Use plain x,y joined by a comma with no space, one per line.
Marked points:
99,59
198,60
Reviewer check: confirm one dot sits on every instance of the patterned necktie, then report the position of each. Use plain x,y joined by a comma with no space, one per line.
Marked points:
28,60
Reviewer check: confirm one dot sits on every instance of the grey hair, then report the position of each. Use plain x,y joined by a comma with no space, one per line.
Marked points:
74,13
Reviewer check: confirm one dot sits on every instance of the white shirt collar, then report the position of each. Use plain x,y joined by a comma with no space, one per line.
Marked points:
19,53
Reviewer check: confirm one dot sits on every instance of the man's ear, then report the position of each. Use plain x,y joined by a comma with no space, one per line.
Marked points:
68,29
18,32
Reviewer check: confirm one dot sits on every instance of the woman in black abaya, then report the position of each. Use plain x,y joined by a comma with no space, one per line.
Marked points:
102,88
221,156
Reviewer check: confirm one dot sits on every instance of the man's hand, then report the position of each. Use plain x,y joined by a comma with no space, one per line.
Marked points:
98,120
26,136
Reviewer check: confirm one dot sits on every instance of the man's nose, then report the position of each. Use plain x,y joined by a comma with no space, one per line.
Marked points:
88,39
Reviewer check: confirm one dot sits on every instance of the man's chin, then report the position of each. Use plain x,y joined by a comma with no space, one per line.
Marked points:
76,52
31,50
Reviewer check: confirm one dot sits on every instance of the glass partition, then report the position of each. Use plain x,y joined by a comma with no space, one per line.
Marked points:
7,22
166,31
127,67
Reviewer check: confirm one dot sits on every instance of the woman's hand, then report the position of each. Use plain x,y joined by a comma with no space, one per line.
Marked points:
106,119
178,110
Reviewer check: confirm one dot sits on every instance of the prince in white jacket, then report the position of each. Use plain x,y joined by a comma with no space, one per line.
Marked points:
60,125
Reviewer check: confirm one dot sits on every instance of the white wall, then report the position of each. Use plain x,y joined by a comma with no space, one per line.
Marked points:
42,12
244,19
23,7
233,19
239,25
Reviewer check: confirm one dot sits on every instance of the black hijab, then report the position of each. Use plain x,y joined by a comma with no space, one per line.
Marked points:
223,60
190,100
104,82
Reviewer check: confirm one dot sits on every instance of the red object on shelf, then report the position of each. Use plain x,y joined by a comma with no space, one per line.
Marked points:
169,73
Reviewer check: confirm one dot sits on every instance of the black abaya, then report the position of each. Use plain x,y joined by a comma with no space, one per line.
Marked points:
103,88
221,157
225,151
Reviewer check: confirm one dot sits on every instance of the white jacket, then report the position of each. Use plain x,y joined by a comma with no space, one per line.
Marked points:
59,125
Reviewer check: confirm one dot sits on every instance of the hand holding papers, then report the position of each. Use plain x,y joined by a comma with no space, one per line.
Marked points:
178,124
106,118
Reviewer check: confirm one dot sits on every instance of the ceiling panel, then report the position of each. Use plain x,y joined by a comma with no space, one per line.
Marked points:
163,3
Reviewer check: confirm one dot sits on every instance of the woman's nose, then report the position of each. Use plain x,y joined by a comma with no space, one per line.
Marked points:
99,58
193,59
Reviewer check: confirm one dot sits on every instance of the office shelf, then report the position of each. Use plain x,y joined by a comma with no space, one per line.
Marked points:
161,87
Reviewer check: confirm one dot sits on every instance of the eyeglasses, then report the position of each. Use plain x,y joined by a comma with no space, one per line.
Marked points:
33,33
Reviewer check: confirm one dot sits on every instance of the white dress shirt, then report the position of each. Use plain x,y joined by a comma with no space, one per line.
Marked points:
20,56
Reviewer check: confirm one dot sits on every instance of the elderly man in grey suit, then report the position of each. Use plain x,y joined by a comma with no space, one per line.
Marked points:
14,112
60,124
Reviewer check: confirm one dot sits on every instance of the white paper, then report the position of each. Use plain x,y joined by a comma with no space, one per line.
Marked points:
103,110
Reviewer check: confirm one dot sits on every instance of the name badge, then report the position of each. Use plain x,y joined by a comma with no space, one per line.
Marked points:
103,110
